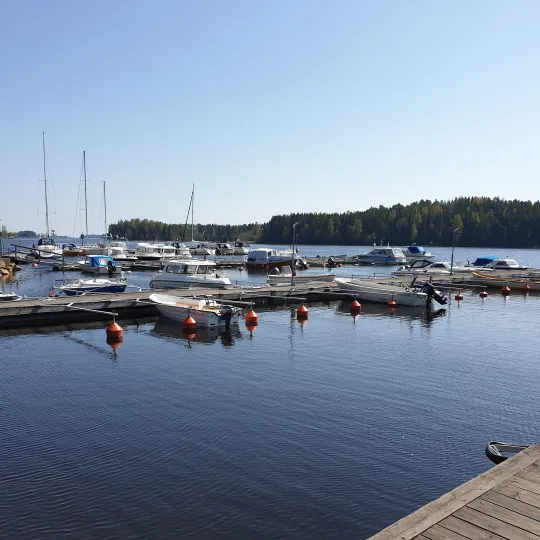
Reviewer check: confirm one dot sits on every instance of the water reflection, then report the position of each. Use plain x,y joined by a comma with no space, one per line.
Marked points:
425,316
171,329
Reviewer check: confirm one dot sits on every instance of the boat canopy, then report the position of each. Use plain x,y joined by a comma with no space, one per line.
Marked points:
482,261
100,261
416,249
46,241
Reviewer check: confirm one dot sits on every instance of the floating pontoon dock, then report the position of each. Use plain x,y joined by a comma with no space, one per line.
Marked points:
502,503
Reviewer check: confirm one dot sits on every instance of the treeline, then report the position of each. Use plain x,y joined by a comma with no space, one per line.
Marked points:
480,221
147,229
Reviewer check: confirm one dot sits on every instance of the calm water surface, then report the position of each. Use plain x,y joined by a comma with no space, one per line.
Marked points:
335,428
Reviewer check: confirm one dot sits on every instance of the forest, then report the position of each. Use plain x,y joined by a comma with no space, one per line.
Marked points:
475,221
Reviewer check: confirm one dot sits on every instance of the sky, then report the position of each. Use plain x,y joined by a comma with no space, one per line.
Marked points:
267,107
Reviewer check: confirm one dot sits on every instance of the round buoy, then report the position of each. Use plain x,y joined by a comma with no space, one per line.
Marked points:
115,332
505,290
252,318
34,265
189,323
115,342
526,287
52,294
355,306
302,312
251,326
459,296
339,265
392,303
324,265
241,269
483,294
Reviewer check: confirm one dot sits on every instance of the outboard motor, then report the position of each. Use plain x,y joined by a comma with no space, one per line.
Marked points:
432,293
226,315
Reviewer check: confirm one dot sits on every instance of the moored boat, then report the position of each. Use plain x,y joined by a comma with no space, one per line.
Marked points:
99,264
154,252
241,248
47,248
224,248
415,253
370,290
424,266
501,280
498,452
77,287
189,273
9,297
285,279
383,256
270,258
207,312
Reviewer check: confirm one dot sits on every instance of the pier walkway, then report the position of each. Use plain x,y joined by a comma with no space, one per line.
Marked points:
502,503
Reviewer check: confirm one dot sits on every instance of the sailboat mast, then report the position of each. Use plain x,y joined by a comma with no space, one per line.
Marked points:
45,182
105,205
192,201
85,195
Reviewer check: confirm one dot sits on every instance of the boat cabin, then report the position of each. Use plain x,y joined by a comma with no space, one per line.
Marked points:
46,241
267,255
416,250
484,261
504,264
189,267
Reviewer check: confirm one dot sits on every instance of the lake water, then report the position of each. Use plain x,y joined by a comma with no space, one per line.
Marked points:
334,428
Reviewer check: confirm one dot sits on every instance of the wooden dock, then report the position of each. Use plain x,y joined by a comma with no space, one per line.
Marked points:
502,503
70,309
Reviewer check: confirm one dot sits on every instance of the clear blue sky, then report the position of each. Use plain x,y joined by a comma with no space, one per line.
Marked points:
269,107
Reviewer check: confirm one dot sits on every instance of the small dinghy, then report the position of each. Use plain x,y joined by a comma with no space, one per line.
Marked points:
499,451
207,312
76,287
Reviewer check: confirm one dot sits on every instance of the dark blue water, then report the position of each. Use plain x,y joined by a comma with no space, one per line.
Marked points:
332,429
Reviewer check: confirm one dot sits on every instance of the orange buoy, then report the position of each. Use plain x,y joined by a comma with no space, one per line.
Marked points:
189,323
459,296
505,290
52,294
241,269
115,332
34,265
252,318
339,265
483,294
392,303
355,306
526,287
115,342
302,312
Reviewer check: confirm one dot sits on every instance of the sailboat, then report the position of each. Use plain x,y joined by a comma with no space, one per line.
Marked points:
46,247
197,248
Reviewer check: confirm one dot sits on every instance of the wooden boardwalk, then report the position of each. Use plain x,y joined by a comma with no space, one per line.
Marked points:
503,503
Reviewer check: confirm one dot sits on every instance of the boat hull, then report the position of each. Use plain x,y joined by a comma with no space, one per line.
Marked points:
168,283
499,282
77,291
285,279
382,294
381,261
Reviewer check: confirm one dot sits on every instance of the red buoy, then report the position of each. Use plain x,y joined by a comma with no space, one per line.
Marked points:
115,342
302,312
114,332
483,294
251,326
355,306
252,318
505,290
241,269
392,303
190,333
526,287
189,323
52,294
339,265
459,296
34,265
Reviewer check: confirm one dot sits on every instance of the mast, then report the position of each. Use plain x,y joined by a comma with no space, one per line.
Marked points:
105,205
85,195
45,182
192,201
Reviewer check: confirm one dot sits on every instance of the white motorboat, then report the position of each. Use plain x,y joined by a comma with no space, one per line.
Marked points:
383,256
266,257
189,273
118,250
369,290
415,253
224,248
423,266
9,297
99,264
286,279
207,312
182,251
504,264
154,252
47,248
241,248
77,287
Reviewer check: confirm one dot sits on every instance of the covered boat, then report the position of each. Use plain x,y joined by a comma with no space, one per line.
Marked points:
77,287
266,257
99,264
189,273
383,256
414,253
369,290
207,312
505,264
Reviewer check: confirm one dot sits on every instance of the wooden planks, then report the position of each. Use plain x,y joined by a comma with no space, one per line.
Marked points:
500,504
